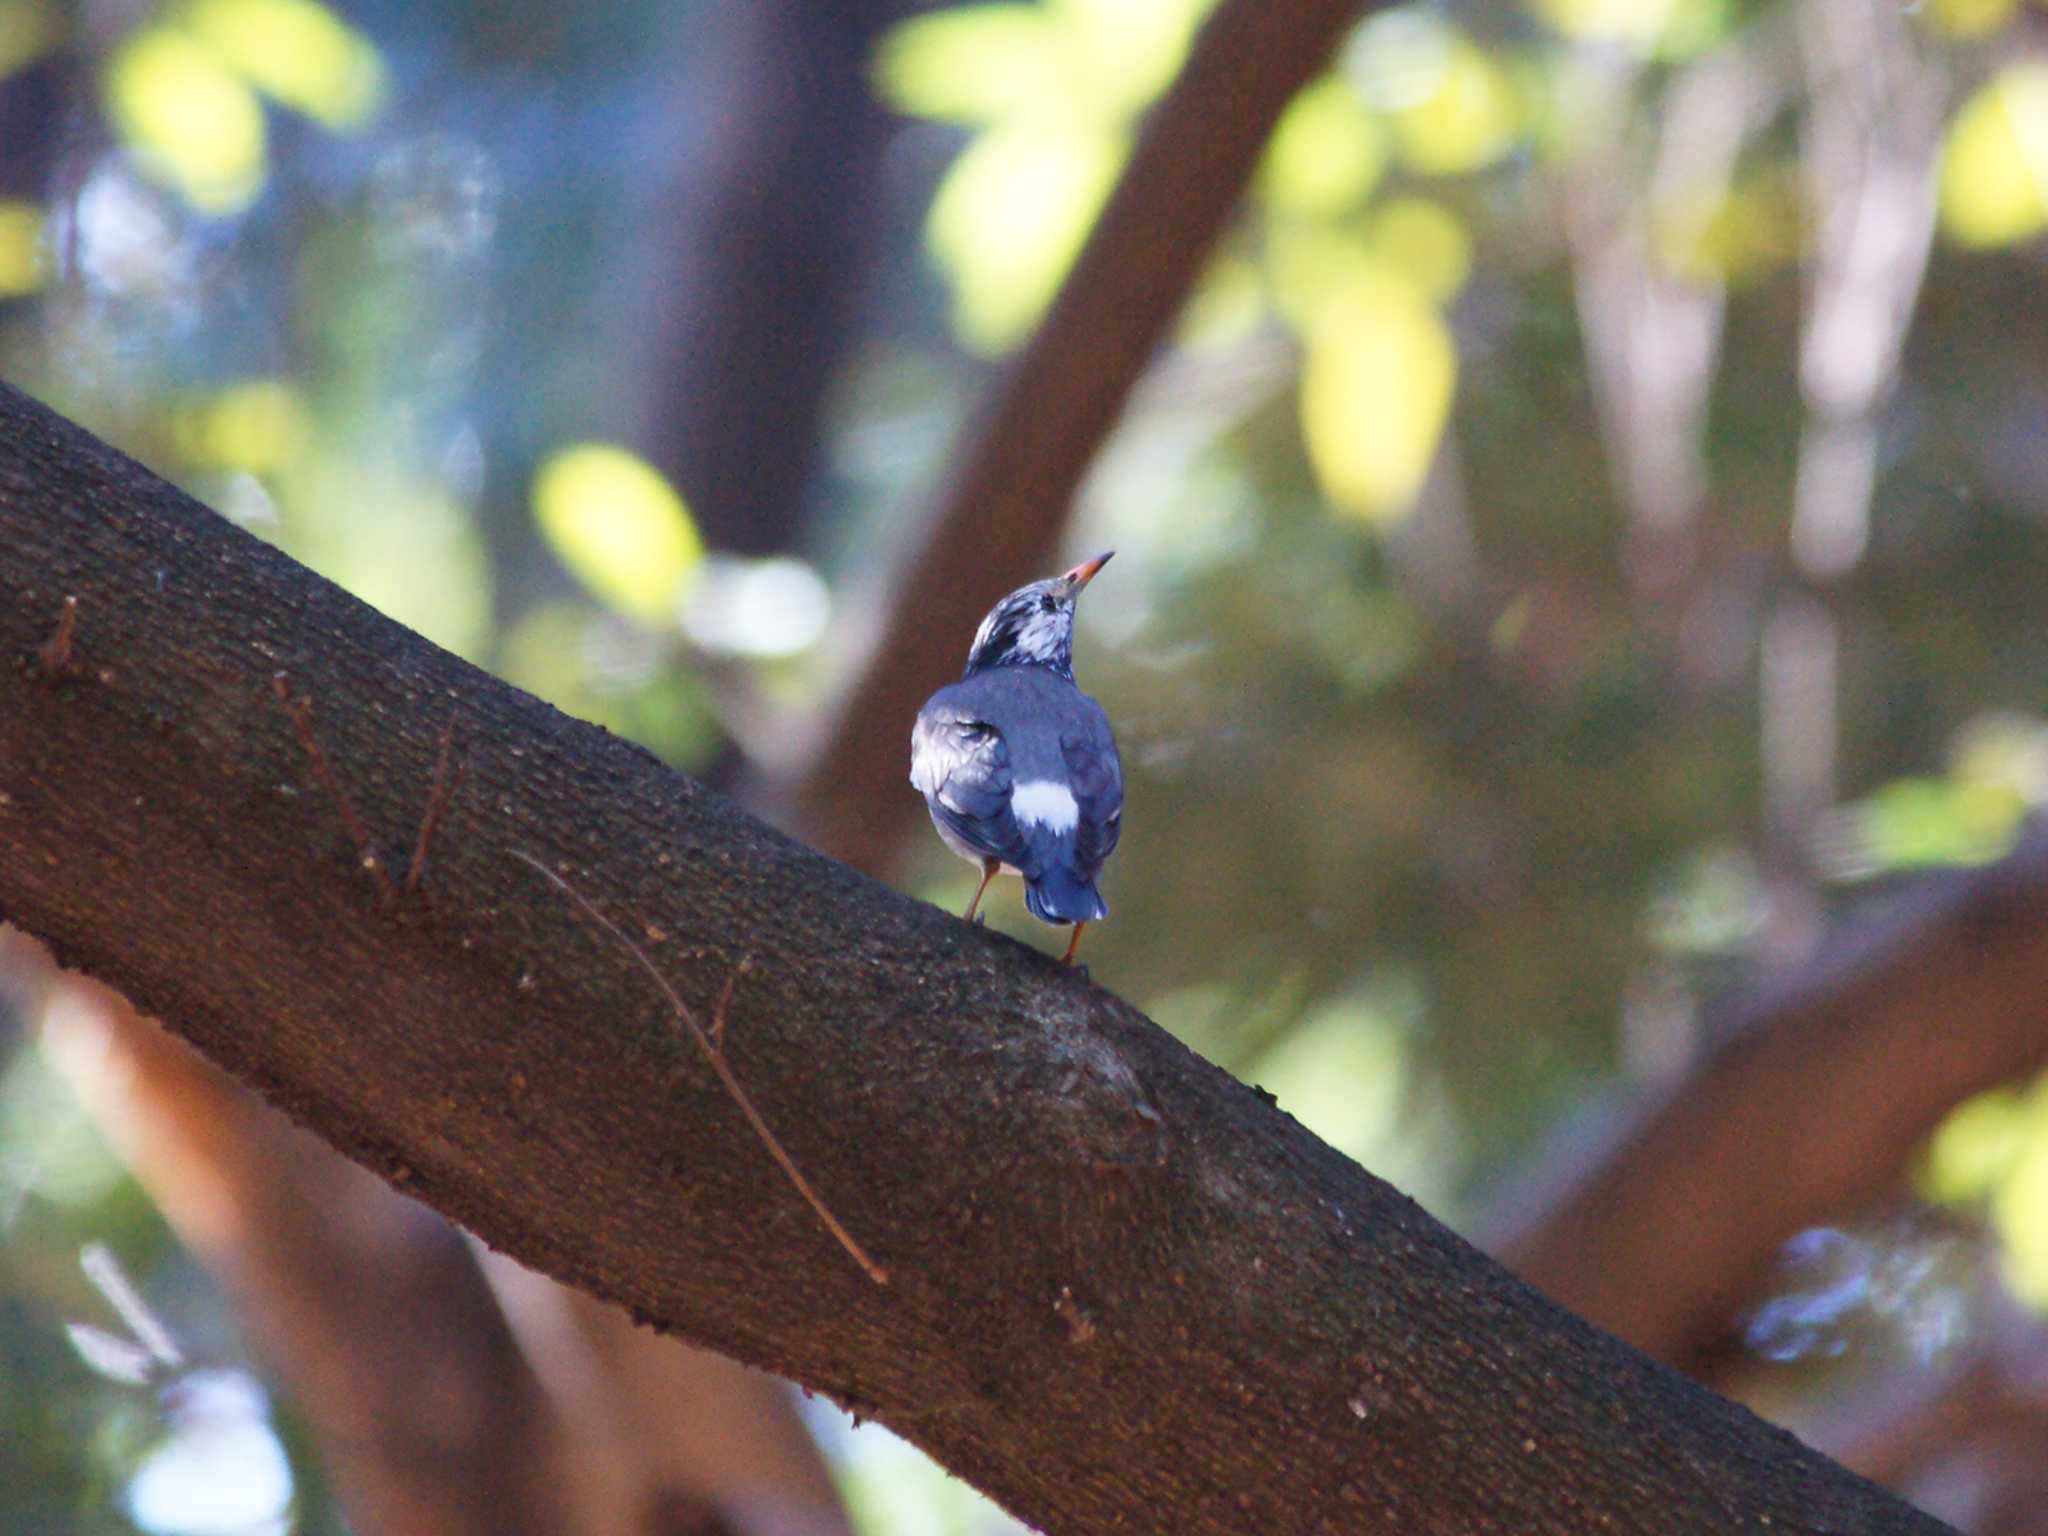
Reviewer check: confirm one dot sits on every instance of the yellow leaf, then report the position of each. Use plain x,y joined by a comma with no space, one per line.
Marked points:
2020,1207
27,31
971,65
1309,260
1994,166
1327,153
258,425
298,52
192,122
1010,217
620,527
1471,119
1664,27
1424,242
1375,394
1968,18
1125,52
1978,1145
21,248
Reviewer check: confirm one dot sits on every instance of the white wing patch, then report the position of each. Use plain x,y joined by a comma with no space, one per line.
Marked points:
1044,803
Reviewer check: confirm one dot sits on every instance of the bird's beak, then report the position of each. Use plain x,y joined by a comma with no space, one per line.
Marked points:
1084,573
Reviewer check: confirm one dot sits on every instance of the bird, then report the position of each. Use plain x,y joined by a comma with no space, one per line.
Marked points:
1018,766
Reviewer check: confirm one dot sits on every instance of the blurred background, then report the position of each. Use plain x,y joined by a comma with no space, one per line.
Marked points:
1580,553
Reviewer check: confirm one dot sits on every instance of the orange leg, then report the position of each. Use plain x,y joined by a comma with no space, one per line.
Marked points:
1073,944
988,873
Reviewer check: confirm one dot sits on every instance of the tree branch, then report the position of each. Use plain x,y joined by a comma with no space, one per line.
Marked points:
1826,1086
1015,469
371,1308
1273,1339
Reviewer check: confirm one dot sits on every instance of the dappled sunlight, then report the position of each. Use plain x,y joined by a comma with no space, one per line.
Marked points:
1661,27
298,53
195,123
185,92
220,1470
1375,393
400,543
1994,168
1010,218
28,29
1990,1157
258,425
1452,108
1327,154
1968,18
1496,706
620,527
1054,89
762,609
21,248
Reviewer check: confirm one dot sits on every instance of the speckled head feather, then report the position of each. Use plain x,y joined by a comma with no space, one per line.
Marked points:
1034,625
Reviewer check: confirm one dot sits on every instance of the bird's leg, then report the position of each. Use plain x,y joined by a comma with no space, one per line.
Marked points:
1073,944
988,873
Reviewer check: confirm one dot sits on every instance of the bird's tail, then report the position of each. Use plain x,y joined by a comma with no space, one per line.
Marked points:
1061,896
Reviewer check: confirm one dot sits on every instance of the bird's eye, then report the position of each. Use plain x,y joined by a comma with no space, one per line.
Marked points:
1046,604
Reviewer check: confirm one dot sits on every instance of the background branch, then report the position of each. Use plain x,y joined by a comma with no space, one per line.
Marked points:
1826,1086
1011,482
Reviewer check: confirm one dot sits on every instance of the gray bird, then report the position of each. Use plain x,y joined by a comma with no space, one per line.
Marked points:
1017,765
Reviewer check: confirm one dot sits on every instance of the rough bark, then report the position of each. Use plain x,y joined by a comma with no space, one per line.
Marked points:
1827,1084
1125,1292
1011,483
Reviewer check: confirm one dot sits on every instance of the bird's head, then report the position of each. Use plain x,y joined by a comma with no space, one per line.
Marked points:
1034,625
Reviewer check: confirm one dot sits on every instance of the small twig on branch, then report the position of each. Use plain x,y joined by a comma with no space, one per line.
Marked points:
55,655
438,796
712,1045
301,713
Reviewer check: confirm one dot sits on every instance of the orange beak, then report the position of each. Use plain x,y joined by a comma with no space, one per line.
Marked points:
1084,573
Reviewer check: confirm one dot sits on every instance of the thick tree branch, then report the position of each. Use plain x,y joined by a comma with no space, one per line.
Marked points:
1014,472
1125,1293
1826,1086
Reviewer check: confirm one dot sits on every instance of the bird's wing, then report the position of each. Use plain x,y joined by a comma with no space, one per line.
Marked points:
1097,779
962,765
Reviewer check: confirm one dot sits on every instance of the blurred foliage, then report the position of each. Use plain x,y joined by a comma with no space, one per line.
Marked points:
21,238
1992,190
1446,810
184,92
619,526
1051,92
1992,1155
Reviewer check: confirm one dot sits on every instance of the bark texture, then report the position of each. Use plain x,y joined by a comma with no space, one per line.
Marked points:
1126,1292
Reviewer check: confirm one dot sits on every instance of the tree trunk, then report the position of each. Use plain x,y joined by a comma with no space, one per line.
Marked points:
1124,1292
